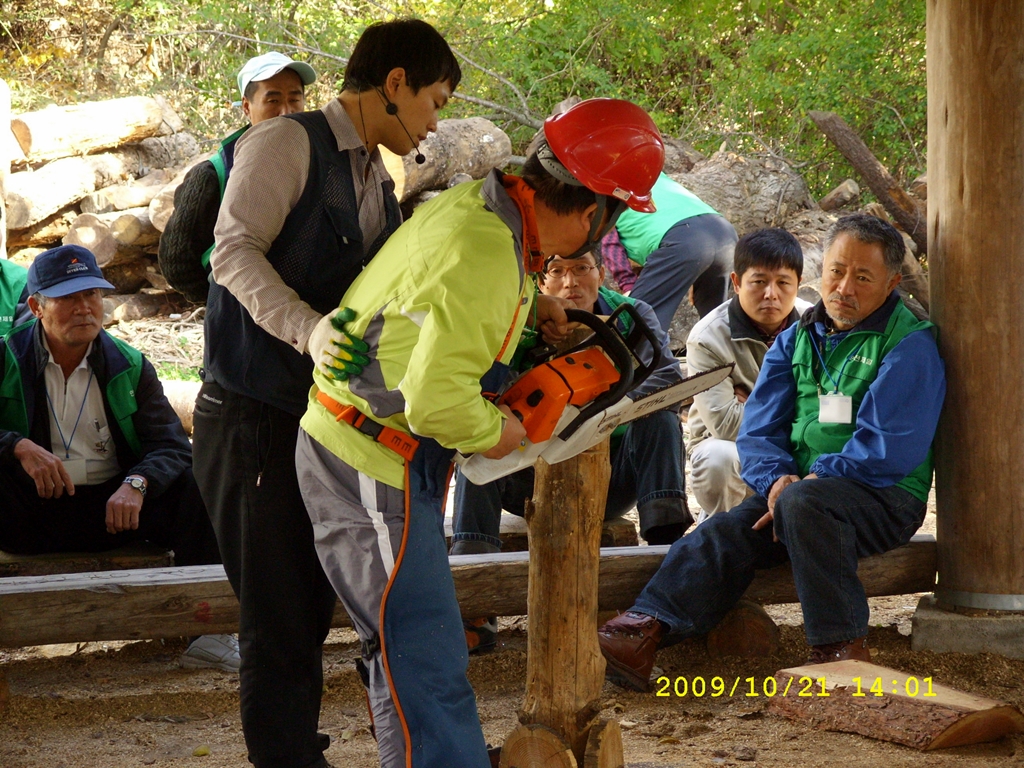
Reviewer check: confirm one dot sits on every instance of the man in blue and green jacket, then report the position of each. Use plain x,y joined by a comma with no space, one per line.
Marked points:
836,443
92,456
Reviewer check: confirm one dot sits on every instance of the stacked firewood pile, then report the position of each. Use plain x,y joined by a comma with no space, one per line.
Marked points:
88,174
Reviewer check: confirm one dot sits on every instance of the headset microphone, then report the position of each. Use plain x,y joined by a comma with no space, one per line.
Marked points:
392,109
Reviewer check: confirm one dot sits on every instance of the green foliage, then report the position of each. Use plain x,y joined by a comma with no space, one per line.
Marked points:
175,372
743,72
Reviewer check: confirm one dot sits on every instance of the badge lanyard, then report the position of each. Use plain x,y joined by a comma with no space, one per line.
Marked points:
835,382
833,407
67,443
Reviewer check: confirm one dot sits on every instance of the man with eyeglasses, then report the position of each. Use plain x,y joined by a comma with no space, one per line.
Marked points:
647,454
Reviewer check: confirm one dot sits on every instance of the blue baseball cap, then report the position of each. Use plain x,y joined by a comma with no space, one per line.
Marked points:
65,270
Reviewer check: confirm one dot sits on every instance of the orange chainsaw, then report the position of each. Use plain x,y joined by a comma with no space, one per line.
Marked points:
581,394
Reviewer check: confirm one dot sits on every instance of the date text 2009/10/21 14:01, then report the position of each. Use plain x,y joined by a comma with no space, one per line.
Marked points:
699,687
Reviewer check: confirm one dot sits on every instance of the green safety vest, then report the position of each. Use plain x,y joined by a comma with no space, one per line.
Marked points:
641,233
217,161
12,284
865,351
120,392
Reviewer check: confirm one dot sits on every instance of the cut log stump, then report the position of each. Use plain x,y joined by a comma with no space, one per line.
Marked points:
535,746
604,745
858,697
747,630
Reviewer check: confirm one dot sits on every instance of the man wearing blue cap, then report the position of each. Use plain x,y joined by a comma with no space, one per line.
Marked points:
92,456
270,85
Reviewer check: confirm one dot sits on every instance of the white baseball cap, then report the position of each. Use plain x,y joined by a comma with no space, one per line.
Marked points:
267,65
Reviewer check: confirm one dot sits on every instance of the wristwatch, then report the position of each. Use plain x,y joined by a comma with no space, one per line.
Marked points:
138,483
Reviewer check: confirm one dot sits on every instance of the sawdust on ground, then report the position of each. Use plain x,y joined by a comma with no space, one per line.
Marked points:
113,705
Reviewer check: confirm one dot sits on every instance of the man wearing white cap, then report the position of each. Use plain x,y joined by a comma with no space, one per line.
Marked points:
271,84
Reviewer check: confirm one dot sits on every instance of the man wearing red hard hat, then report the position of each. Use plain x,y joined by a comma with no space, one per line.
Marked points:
437,317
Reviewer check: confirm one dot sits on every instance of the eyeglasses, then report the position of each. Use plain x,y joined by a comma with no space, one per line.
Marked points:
579,270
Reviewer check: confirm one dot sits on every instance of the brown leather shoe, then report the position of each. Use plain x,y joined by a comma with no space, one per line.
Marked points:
848,649
628,643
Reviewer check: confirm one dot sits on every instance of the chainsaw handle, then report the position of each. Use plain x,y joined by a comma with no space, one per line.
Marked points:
640,328
617,350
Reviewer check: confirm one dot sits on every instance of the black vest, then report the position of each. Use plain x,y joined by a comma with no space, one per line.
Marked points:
318,254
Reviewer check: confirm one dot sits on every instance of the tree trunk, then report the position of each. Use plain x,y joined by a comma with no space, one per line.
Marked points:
911,216
57,132
565,668
474,146
911,709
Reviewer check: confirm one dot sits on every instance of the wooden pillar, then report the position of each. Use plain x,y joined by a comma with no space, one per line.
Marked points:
976,261
565,668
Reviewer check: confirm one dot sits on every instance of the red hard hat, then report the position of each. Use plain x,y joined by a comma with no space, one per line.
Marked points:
610,146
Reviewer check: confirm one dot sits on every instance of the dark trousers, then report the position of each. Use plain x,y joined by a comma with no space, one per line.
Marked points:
697,251
647,472
175,519
824,526
244,455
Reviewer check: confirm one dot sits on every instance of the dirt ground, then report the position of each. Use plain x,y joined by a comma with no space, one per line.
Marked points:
121,705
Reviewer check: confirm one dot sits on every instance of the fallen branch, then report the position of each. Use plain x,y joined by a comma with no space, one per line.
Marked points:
904,210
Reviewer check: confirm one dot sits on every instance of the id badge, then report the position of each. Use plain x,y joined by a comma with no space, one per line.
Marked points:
835,409
76,469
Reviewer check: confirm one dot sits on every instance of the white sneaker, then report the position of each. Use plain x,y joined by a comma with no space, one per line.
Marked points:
214,651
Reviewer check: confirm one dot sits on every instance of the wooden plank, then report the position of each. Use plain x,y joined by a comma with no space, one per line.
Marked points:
175,602
893,706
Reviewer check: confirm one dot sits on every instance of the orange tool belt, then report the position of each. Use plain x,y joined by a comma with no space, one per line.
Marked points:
399,442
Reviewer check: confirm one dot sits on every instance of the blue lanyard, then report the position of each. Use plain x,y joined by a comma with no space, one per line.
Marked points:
849,357
67,443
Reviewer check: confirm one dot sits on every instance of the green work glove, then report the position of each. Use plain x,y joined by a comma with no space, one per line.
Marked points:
338,354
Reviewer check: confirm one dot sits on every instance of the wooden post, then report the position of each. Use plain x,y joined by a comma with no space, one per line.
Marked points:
564,666
976,259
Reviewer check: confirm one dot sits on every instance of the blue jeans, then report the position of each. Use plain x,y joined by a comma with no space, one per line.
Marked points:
824,526
696,251
647,472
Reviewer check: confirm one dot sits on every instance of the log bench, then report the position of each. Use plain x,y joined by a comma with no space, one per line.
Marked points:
141,555
196,600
